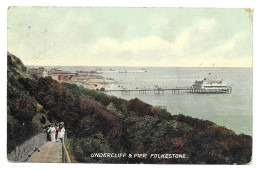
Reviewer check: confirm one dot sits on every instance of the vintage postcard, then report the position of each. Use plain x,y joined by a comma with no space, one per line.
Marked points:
129,85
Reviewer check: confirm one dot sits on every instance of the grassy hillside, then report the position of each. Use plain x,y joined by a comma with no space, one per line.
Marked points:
25,116
98,123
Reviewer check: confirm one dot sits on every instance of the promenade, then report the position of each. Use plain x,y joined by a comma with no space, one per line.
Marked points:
48,153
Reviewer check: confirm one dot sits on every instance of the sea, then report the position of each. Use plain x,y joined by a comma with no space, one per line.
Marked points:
234,110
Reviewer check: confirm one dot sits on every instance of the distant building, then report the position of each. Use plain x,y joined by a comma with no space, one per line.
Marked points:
63,76
38,72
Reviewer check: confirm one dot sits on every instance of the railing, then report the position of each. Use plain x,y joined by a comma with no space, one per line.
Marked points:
65,154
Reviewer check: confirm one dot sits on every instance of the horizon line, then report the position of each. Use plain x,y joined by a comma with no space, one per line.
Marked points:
142,66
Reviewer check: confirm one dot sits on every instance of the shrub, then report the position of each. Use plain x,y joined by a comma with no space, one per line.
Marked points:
22,108
18,132
83,147
139,107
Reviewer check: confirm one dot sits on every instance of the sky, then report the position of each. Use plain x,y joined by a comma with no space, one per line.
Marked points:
165,37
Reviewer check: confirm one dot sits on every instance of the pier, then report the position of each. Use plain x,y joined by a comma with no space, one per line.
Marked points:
176,90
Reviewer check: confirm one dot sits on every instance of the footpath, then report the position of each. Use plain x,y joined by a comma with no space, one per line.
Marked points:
47,153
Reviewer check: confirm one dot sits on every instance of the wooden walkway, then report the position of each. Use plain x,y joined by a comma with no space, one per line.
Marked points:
48,153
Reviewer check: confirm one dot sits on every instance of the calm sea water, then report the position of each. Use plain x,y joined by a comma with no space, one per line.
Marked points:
233,111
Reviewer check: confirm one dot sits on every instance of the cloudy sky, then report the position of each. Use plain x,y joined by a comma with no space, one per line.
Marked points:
188,37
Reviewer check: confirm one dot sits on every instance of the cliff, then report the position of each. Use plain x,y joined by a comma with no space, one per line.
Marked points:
98,123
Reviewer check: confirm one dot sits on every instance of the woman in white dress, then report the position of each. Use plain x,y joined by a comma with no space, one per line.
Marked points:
52,131
61,133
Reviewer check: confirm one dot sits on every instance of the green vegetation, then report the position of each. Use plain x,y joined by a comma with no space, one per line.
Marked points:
98,123
21,107
68,145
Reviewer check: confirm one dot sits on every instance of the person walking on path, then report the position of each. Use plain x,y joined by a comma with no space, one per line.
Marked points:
62,132
52,131
48,138
57,131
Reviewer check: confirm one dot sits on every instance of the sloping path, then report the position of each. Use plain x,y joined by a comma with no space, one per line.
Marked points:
48,153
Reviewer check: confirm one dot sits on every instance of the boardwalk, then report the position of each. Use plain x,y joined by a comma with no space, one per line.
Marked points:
48,153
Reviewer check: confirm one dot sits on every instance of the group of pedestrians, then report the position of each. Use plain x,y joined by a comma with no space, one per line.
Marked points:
56,132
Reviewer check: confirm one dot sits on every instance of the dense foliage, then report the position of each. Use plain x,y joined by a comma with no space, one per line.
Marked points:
98,123
21,106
